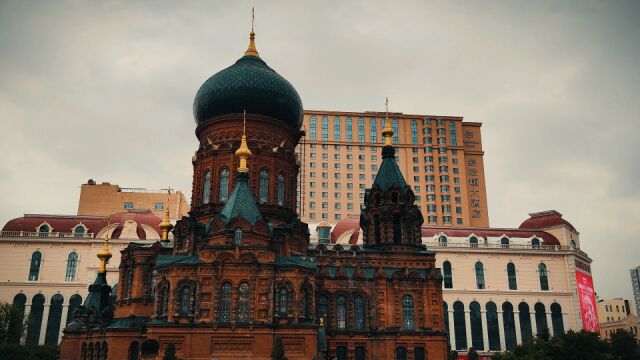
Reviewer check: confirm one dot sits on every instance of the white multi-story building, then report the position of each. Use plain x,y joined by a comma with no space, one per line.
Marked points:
502,286
48,262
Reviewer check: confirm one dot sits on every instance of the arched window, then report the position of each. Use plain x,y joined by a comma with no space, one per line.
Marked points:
448,276
401,353
79,231
473,242
306,301
74,301
35,319
376,229
16,320
480,275
206,188
509,325
83,354
225,303
556,319
185,301
476,326
54,319
134,349
243,303
323,307
407,313
397,229
280,190
72,264
341,312
129,284
105,350
91,353
525,321
163,301
442,240
541,318
223,186
535,243
283,299
419,353
544,278
459,325
358,303
360,353
264,186
493,329
44,228
445,310
573,244
504,242
98,352
511,275
34,269
238,236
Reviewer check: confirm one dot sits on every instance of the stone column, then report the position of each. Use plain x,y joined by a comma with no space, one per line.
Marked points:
27,311
534,326
43,324
516,318
485,330
452,333
550,324
503,343
467,320
63,320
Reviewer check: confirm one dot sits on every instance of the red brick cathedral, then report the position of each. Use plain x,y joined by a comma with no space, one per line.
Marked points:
240,273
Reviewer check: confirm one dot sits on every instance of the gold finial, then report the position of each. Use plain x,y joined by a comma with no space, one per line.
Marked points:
387,131
166,225
104,254
243,151
251,50
321,320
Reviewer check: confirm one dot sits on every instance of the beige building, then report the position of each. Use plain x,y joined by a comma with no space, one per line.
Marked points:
630,323
50,260
501,286
440,156
104,199
613,310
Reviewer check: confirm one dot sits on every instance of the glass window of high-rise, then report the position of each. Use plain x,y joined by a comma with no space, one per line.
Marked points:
414,132
336,128
373,131
325,130
360,129
312,127
349,129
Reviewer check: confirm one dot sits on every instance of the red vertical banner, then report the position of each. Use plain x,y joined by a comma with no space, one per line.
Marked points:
587,298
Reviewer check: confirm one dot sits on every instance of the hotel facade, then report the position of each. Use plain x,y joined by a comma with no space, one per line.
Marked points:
441,157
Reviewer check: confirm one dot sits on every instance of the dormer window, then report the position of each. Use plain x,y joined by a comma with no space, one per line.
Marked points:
473,242
504,242
79,230
442,240
535,243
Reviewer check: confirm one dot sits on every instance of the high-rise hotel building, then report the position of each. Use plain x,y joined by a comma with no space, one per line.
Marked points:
441,157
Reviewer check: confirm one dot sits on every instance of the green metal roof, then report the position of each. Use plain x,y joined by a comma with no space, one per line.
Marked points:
177,259
305,261
389,174
241,203
249,85
369,272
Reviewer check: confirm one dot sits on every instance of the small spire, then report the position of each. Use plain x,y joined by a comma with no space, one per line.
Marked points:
251,50
166,225
104,254
243,151
387,131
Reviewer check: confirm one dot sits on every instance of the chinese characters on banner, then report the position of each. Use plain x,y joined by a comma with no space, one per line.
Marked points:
587,298
472,172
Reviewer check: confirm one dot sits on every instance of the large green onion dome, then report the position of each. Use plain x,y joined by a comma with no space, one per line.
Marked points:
251,85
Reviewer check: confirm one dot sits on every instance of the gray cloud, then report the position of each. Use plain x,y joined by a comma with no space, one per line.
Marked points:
104,91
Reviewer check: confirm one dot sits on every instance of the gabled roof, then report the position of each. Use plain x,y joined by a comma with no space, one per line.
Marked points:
389,174
241,203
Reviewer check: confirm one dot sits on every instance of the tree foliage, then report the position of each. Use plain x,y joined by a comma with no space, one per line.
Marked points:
12,324
472,354
170,352
278,350
575,346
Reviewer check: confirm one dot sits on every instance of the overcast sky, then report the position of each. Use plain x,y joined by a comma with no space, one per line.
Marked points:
104,90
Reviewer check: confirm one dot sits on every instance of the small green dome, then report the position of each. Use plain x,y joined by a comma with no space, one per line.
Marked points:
251,85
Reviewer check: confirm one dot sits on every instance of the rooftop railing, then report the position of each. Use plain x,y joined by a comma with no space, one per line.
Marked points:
480,246
55,234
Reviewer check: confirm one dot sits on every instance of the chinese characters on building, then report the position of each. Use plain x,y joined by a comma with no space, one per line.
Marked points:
472,172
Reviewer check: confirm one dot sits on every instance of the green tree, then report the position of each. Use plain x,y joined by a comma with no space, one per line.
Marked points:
472,354
453,355
624,346
170,352
278,350
12,324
